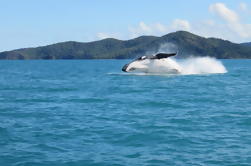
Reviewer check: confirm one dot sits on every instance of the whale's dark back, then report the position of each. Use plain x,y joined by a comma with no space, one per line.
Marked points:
163,55
157,56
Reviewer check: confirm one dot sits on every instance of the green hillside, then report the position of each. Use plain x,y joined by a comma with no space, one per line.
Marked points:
185,43
246,44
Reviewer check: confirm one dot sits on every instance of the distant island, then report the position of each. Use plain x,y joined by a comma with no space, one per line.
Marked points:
186,43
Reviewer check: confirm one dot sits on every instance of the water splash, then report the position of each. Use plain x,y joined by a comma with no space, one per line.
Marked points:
194,65
201,65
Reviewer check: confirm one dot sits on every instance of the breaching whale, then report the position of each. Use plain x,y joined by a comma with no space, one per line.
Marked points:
159,63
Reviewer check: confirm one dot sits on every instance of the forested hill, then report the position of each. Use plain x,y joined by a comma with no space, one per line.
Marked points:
247,44
187,44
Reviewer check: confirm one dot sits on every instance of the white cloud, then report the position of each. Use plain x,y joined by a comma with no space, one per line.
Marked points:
158,28
104,35
243,6
147,29
161,28
231,19
224,12
210,28
227,24
179,24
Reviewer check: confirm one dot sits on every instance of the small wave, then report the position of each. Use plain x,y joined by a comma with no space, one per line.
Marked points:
87,100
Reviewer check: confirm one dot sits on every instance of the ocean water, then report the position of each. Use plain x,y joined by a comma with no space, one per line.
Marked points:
88,113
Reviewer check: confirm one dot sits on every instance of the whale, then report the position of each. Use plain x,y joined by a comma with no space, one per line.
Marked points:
158,63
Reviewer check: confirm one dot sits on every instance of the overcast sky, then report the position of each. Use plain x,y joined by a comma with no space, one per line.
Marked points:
31,23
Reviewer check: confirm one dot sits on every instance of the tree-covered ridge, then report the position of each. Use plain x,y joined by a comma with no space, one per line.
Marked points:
247,44
185,43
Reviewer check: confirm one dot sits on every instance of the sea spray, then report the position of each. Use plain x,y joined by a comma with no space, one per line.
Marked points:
201,65
193,65
165,66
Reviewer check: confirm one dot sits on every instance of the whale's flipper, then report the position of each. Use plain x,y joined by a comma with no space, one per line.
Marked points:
163,55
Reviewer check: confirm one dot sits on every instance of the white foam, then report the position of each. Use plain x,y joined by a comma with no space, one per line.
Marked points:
192,65
201,65
195,65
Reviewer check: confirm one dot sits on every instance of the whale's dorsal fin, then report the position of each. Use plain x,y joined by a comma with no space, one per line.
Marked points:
163,55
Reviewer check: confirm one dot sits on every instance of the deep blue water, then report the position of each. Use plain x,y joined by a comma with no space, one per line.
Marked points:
80,113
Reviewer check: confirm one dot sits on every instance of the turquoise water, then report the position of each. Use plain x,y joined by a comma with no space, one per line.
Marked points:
80,113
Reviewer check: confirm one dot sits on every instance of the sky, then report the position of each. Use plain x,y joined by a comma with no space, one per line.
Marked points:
32,23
